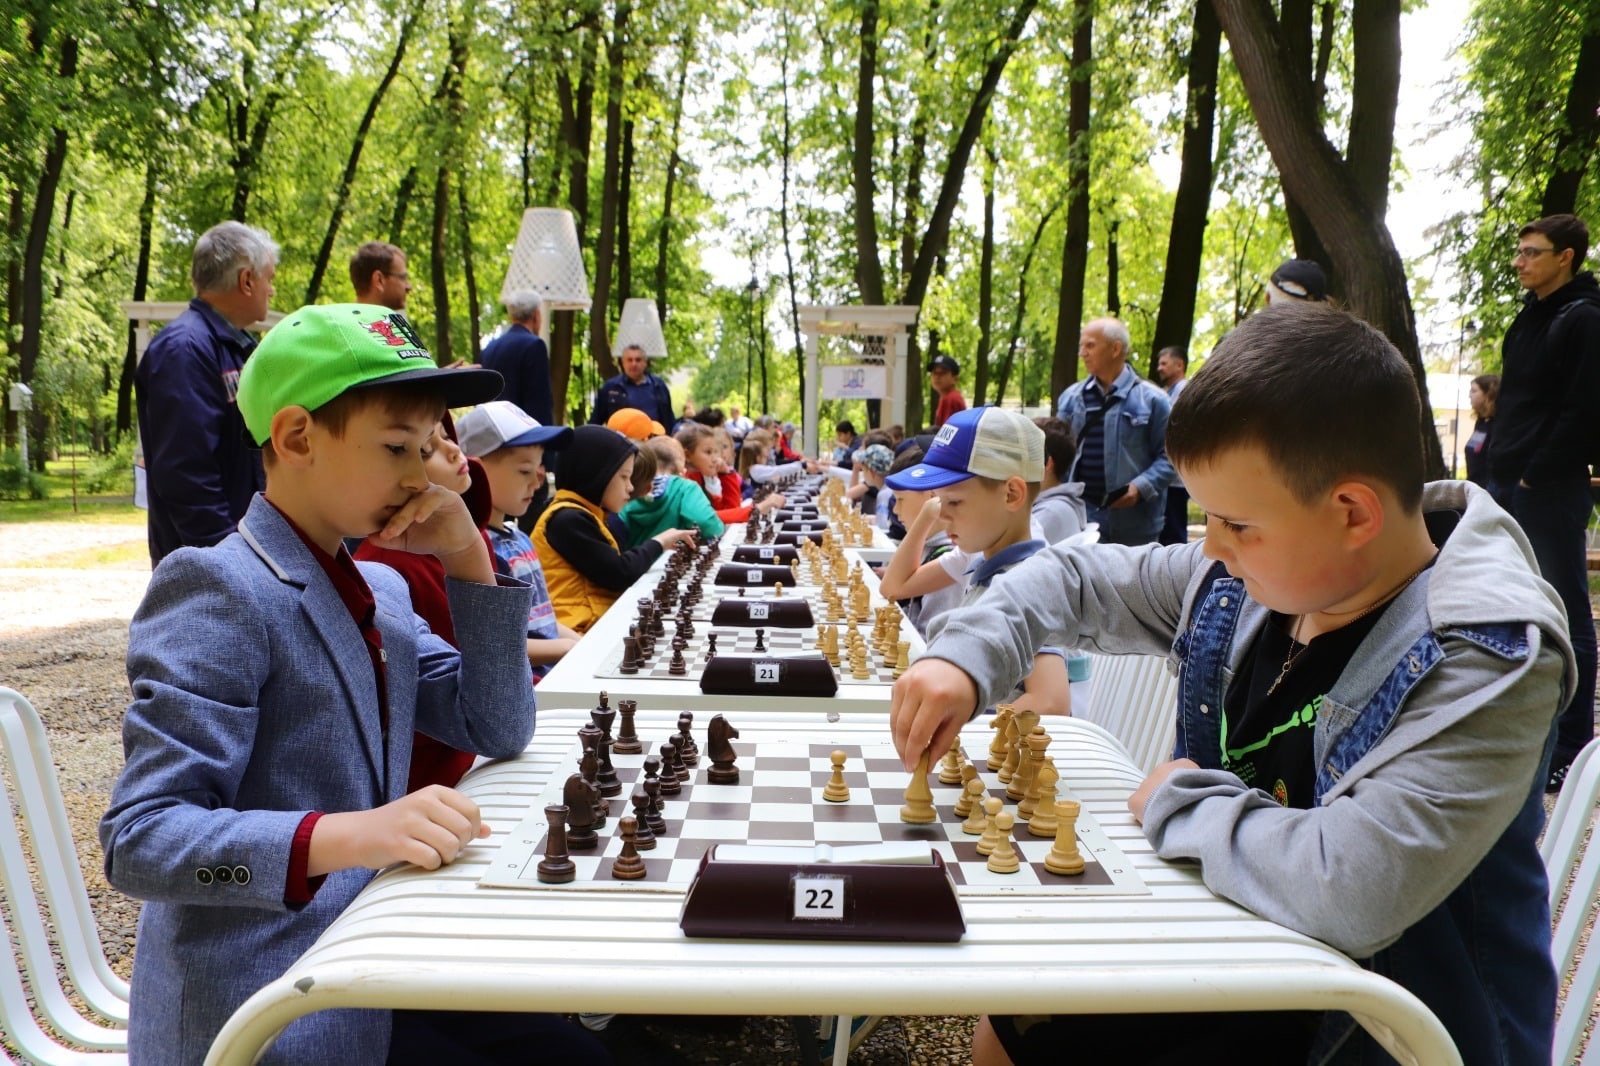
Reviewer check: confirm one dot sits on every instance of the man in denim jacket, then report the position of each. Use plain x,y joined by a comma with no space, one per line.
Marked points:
1369,670
1120,423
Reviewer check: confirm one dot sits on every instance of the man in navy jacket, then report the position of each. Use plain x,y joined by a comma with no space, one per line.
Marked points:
634,387
520,356
202,472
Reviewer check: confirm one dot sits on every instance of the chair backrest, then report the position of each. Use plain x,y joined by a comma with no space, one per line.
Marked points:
35,793
1574,870
1575,884
1134,698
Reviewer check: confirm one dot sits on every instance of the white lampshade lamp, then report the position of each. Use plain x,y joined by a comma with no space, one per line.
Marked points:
642,326
547,259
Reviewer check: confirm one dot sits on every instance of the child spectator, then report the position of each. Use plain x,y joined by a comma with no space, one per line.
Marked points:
275,679
511,445
943,372
673,502
1058,513
872,463
1372,775
845,441
985,465
583,563
433,761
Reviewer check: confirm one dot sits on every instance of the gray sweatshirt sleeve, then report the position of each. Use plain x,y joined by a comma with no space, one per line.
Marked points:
1419,812
1101,597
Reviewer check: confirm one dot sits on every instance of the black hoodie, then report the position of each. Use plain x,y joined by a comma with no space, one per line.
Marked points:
587,466
1546,418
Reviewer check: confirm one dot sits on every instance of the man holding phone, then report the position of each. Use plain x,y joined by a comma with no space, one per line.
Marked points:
1120,423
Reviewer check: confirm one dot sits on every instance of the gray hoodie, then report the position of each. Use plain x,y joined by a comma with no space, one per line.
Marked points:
1058,512
1409,820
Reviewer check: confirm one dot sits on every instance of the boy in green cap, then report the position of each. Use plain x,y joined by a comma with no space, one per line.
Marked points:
276,685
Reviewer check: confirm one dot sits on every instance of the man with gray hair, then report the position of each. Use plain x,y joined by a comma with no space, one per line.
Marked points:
1120,423
202,472
520,356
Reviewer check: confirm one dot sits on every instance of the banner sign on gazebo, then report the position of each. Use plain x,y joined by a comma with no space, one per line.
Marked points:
855,381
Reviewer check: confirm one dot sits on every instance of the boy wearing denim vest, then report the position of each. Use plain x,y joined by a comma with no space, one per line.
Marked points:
1369,668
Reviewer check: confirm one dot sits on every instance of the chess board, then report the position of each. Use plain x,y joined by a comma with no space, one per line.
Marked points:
780,643
778,801
711,595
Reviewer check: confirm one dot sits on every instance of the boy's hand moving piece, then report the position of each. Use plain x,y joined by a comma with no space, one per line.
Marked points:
1141,795
671,538
427,828
928,706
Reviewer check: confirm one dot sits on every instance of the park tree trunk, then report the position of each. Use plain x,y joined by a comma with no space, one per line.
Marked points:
1113,289
1375,93
438,276
141,284
1361,250
606,245
674,161
250,117
786,160
15,217
1580,125
1191,203
1075,248
342,196
577,127
475,332
33,255
402,203
869,269
625,219
980,359
1021,309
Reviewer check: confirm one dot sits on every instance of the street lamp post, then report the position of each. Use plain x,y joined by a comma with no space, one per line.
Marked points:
750,291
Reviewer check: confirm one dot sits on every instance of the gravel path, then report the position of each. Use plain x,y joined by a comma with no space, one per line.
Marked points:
63,638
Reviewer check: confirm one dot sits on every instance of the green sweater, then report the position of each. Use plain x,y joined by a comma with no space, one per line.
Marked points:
681,505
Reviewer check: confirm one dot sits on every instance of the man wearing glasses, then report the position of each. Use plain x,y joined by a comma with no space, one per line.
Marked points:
1547,431
378,274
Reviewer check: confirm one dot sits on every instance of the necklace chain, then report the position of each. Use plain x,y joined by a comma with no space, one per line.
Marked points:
1296,649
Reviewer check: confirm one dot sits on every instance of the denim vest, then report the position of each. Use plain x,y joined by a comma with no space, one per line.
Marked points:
1481,959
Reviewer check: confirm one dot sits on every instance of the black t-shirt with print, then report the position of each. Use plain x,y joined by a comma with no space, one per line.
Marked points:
1266,737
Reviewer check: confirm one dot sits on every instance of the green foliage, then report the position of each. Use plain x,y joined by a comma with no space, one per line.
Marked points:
17,482
113,472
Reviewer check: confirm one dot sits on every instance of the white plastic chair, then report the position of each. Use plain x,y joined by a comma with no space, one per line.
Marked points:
1569,858
35,793
1134,698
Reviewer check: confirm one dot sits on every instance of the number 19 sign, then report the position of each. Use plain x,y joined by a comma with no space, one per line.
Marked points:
855,382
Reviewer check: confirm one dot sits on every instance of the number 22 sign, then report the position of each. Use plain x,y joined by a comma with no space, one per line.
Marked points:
819,898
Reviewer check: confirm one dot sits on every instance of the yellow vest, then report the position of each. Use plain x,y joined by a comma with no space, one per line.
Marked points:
578,602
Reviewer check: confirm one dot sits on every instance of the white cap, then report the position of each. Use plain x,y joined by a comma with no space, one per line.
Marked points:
986,442
498,424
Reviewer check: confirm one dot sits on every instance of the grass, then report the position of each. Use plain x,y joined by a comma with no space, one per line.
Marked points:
111,509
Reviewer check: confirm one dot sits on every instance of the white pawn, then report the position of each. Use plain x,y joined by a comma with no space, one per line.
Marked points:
991,831
836,791
977,819
1003,859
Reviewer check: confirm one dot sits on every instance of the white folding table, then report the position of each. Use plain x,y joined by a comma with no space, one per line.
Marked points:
430,940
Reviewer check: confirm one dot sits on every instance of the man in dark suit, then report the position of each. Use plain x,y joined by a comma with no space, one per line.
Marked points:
634,387
520,356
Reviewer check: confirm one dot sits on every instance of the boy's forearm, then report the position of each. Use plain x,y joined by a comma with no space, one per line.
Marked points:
470,564
548,651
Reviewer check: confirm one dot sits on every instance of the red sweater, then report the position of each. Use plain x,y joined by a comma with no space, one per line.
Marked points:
730,506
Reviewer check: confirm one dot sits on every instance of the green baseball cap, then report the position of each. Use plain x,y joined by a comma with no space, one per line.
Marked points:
324,350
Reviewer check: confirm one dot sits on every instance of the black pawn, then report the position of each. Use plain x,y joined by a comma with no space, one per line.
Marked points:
557,867
761,640
680,766
670,785
628,866
658,818
646,839
685,739
677,667
627,737
711,645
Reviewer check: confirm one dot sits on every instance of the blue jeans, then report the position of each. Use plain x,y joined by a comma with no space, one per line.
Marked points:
1554,517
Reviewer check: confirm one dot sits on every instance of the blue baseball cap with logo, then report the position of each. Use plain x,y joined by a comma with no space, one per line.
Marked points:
986,442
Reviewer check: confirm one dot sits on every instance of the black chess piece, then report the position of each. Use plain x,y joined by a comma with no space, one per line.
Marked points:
670,781
646,839
630,654
711,645
557,867
627,736
580,801
685,739
658,820
677,667
605,773
719,747
761,640
679,766
628,866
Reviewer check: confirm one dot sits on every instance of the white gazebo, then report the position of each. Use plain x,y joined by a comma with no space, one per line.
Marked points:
145,314
876,348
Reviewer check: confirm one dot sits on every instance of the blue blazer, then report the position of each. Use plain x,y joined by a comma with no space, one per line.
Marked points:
521,358
253,704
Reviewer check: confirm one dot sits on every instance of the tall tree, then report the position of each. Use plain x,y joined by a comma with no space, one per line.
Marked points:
1366,265
1075,248
674,161
341,196
252,99
610,192
980,360
1580,126
1180,282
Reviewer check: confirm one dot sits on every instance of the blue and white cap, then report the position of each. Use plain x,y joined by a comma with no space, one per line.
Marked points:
986,442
